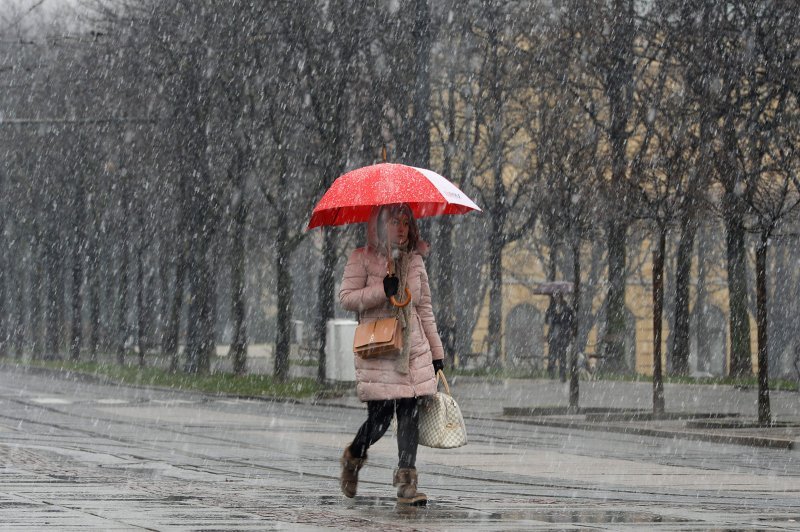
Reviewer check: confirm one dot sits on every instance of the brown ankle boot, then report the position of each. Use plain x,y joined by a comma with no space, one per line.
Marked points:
350,467
406,481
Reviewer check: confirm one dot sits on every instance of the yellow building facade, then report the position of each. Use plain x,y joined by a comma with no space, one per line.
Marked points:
523,270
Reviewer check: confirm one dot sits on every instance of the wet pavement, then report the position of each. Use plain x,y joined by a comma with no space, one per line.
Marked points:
87,455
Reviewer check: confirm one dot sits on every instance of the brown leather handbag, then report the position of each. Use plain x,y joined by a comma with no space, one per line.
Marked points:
382,337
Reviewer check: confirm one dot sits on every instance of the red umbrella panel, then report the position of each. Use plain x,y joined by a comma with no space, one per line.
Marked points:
351,198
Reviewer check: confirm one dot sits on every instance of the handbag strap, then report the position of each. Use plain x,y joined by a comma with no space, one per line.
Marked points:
440,375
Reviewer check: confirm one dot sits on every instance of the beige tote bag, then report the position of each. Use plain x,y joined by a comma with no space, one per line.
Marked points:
441,424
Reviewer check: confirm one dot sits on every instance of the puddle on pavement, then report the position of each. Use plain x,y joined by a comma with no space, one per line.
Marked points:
444,511
366,502
584,516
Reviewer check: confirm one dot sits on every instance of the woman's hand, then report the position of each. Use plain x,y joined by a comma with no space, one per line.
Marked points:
438,365
391,285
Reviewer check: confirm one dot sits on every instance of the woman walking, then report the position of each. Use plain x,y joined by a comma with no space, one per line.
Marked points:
392,384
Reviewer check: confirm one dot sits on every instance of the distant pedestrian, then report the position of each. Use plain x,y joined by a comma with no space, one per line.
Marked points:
392,384
561,318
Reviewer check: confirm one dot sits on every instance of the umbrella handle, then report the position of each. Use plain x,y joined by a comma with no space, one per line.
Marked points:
404,303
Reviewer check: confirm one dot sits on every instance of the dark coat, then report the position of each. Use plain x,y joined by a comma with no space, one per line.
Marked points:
561,319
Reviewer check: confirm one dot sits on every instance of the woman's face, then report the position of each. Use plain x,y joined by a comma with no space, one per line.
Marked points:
398,229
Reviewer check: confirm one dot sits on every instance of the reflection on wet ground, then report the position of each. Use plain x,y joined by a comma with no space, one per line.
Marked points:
448,511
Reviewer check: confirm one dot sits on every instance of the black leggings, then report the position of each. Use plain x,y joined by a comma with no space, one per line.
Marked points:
379,415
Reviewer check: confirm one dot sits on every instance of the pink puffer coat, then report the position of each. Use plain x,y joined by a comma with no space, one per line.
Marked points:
362,292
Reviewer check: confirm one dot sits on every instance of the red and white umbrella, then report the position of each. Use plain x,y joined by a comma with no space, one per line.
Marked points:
352,196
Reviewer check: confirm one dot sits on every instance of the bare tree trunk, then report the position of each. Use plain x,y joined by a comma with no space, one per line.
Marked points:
93,284
108,285
5,315
494,337
140,308
78,250
20,294
740,364
574,382
122,329
552,254
446,319
94,318
325,297
497,209
5,270
35,308
180,259
200,337
53,283
238,349
167,258
421,127
658,310
614,340
141,286
122,311
446,316
764,416
284,326
199,215
701,308
60,292
176,306
199,323
619,92
680,345
552,271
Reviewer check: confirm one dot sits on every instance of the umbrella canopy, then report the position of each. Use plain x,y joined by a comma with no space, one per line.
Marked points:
352,196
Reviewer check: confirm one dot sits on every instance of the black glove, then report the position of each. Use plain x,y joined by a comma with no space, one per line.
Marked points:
391,284
438,365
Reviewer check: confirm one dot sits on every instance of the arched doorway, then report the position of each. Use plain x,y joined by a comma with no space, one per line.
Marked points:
629,354
709,346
